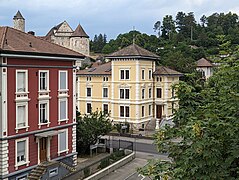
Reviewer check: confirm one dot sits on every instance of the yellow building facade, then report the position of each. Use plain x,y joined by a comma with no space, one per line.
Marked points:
130,87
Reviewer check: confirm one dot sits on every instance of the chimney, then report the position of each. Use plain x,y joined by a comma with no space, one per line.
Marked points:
31,32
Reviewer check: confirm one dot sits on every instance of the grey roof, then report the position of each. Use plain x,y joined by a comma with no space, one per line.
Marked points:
18,16
204,63
162,70
79,32
103,69
133,51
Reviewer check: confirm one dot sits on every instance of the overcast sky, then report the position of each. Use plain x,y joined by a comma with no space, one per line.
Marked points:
111,17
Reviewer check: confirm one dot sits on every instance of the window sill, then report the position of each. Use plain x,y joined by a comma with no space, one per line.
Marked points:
64,151
63,120
43,124
19,128
21,164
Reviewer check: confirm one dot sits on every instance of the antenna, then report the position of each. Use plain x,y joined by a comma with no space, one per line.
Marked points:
133,35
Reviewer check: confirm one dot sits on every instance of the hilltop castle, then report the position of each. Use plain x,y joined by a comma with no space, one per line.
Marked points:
62,34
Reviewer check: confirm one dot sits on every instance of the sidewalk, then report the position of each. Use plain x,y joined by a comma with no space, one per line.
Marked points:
132,139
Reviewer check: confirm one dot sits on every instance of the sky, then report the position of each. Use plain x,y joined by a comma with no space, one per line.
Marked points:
110,17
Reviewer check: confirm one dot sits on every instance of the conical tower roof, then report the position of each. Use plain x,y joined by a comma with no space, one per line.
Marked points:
79,32
18,15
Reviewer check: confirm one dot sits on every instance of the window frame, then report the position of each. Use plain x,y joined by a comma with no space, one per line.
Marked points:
150,92
59,109
26,80
88,95
26,115
124,111
88,112
150,109
150,73
26,162
59,140
124,74
142,74
47,80
105,93
142,111
143,93
105,112
47,112
158,95
59,80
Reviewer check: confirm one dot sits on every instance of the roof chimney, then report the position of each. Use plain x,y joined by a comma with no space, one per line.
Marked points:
31,32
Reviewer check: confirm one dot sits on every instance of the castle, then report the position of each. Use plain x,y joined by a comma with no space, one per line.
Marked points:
62,34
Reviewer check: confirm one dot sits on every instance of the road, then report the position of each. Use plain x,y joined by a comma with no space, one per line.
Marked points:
145,150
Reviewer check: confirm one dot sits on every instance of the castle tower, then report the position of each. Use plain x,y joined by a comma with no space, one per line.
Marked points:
19,22
79,41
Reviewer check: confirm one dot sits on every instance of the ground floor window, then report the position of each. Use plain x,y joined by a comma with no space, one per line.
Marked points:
63,141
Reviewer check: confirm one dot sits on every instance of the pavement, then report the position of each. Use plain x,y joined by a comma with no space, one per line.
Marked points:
129,171
139,140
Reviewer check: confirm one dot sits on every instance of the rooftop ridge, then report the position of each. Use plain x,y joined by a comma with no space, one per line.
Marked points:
4,37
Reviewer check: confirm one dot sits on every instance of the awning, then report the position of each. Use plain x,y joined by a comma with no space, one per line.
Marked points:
48,133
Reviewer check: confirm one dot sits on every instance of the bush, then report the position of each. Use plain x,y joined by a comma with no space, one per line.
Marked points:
87,172
104,163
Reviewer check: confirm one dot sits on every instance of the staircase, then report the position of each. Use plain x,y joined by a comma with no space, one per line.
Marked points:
37,172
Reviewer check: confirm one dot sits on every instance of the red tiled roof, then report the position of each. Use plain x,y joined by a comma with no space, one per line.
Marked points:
162,70
133,51
204,63
104,69
79,32
12,40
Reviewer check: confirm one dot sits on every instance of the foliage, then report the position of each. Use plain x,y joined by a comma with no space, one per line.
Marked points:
104,163
204,143
89,128
86,172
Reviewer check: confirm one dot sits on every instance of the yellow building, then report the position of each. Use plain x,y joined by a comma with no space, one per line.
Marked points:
130,87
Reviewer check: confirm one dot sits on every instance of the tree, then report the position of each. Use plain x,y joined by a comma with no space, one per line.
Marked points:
168,26
157,27
89,128
206,130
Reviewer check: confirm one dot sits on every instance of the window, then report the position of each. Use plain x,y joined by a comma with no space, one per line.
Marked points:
142,111
150,109
22,177
124,111
63,141
173,93
88,92
105,108
157,79
105,78
53,172
124,74
150,92
159,93
63,109
21,151
43,81
21,115
105,92
88,78
124,93
63,80
21,81
143,74
88,108
143,91
150,74
43,112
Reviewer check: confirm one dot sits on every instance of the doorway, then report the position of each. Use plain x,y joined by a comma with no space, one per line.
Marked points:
43,149
159,111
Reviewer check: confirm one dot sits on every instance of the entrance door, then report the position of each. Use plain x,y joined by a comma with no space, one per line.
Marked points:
158,111
43,149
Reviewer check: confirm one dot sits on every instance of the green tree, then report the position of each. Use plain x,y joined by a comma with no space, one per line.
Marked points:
89,128
204,142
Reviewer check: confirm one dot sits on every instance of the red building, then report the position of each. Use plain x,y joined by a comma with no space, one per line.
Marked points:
37,105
